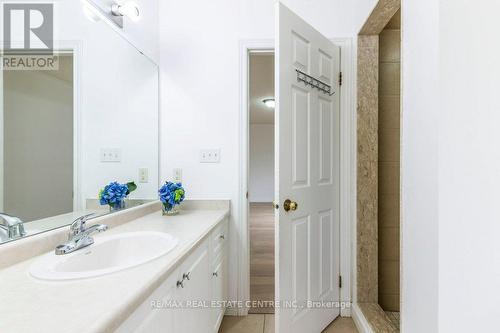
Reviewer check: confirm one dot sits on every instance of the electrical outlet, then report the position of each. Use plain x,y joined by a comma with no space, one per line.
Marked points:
111,155
210,155
177,175
143,175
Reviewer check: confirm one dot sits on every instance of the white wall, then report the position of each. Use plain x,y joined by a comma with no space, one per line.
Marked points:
199,47
469,166
451,164
119,109
1,145
261,166
118,99
362,11
419,166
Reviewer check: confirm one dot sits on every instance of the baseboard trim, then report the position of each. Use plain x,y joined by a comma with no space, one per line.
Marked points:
359,320
232,312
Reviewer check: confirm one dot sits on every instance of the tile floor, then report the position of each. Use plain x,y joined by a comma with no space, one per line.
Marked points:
264,323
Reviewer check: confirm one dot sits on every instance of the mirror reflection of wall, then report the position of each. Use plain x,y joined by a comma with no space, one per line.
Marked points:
38,141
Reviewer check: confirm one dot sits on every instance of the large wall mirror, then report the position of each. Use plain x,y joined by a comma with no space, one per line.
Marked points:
68,130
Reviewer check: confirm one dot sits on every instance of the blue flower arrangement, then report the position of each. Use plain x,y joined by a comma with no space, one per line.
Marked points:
115,193
171,194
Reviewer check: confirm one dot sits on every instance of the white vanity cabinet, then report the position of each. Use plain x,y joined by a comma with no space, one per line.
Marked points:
219,274
194,289
151,316
191,299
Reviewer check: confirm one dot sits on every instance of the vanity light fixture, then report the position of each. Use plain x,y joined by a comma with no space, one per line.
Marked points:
128,9
269,102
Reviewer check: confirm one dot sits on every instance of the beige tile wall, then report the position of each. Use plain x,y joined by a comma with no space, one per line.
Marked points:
388,165
367,155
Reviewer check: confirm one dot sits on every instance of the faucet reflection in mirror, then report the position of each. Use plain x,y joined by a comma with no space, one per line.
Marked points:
12,226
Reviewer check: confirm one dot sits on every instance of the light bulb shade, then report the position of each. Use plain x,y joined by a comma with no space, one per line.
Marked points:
128,9
269,102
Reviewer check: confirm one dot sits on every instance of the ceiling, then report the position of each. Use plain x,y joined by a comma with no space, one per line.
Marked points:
261,75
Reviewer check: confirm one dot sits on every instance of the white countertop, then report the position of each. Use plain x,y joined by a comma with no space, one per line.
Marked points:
98,304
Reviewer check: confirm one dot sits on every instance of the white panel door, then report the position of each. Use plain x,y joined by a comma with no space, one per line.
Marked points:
307,173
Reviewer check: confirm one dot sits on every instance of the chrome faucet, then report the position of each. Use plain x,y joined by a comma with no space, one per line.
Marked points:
12,225
79,235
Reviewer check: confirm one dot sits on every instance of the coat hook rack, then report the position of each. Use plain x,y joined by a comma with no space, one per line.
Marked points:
314,83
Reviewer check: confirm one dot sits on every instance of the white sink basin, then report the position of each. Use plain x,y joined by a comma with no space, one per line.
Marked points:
107,255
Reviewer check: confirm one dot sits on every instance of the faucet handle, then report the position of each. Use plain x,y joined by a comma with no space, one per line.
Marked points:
78,225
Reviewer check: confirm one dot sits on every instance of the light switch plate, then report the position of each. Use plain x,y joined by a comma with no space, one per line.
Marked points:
210,155
111,155
143,175
177,175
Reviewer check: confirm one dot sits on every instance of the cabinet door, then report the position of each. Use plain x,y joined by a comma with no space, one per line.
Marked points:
157,313
196,294
219,292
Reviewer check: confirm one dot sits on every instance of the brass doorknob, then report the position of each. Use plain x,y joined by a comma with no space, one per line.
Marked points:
290,205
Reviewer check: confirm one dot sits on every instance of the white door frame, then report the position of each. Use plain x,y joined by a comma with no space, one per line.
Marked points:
75,48
347,171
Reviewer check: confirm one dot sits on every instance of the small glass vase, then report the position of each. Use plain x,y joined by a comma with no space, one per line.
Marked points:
117,206
169,210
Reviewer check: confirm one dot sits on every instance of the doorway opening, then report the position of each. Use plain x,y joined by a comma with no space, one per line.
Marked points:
334,140
261,181
37,117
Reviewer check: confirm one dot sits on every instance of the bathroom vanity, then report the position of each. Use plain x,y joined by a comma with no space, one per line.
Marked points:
191,298
80,155
182,290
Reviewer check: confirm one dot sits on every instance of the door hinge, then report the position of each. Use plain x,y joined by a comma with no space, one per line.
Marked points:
340,78
340,281
246,195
